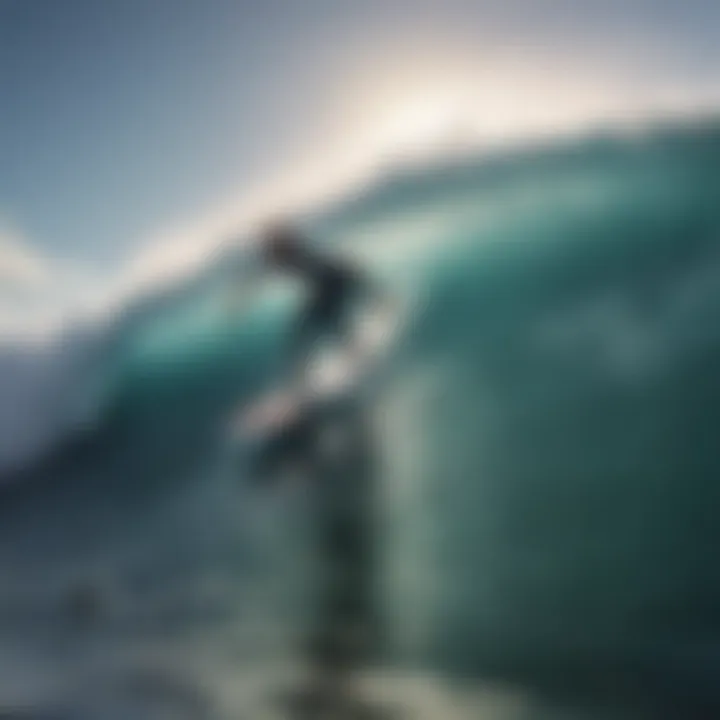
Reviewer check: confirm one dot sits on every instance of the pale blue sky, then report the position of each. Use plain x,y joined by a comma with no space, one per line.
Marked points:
119,116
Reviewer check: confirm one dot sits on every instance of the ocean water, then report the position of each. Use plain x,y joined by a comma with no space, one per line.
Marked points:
547,437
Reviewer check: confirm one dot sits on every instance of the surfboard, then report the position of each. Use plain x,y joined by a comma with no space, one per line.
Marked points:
334,372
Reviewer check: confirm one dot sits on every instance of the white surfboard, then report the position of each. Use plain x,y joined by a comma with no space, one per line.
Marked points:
333,372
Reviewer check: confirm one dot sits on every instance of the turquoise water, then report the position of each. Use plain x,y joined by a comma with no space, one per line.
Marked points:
549,460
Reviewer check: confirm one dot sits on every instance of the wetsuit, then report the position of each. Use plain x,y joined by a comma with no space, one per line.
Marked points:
335,287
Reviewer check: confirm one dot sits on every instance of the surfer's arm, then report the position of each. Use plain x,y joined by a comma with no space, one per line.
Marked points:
303,335
294,365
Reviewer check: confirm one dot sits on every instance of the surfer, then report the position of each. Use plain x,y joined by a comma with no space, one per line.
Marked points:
335,287
346,630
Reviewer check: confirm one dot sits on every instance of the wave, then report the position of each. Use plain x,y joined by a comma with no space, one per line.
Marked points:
550,458
398,226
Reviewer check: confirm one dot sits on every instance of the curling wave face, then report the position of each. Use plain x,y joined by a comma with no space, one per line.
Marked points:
549,450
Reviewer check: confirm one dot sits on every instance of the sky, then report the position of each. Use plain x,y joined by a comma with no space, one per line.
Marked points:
132,133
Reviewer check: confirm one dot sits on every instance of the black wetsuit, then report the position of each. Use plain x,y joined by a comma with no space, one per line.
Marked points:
334,288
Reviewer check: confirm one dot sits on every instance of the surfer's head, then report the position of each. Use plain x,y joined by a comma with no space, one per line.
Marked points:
283,245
